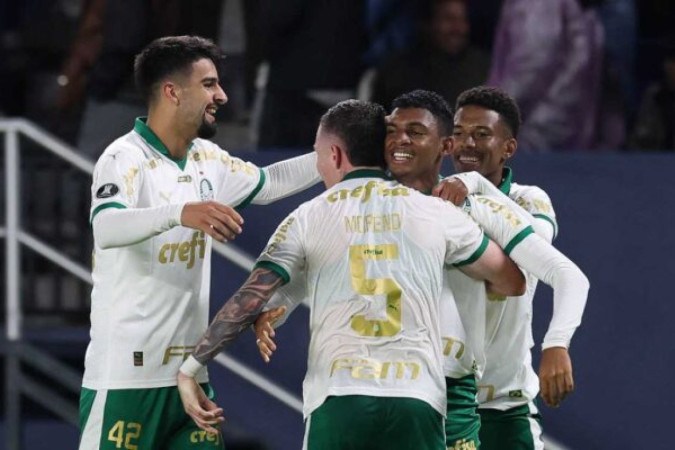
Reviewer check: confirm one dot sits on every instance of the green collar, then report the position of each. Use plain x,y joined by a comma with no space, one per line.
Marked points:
142,128
507,178
366,173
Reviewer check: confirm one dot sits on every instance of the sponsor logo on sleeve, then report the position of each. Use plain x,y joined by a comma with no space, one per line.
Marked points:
107,190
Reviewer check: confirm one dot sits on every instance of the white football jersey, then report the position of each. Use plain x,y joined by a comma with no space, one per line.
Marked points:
373,253
509,379
464,329
150,301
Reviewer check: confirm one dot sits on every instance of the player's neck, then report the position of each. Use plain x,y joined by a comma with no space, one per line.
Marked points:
172,136
423,183
497,177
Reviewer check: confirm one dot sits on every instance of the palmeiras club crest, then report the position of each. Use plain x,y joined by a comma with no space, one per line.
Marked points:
205,190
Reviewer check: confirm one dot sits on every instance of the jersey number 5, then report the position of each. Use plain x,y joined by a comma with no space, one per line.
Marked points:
358,254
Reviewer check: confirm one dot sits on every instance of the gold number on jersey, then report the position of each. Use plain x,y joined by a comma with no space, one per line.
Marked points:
125,433
358,254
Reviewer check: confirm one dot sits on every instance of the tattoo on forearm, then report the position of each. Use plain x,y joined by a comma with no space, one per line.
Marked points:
238,313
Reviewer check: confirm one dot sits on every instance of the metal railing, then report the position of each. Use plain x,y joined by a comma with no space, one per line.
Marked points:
18,352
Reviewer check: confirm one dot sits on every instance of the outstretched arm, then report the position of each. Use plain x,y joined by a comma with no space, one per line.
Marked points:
237,314
122,227
570,291
288,177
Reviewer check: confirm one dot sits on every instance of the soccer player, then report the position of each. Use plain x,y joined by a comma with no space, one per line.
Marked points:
373,253
160,194
418,135
485,131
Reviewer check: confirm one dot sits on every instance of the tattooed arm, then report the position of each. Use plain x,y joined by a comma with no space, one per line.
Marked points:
236,315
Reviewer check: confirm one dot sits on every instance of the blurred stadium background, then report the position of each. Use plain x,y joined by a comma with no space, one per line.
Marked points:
614,206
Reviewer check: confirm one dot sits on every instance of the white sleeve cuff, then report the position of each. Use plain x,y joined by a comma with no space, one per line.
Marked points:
565,343
191,367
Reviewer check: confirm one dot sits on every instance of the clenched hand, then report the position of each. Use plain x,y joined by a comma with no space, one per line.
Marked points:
555,375
219,221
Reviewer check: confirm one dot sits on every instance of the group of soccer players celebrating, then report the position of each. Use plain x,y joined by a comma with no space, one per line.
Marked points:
420,286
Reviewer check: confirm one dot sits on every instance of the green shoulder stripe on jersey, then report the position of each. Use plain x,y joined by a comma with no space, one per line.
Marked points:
548,219
253,193
100,208
274,267
518,238
151,138
365,173
477,254
507,179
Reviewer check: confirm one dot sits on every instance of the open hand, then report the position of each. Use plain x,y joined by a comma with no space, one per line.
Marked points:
205,413
264,331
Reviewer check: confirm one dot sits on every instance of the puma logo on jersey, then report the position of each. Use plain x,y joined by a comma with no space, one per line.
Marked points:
186,251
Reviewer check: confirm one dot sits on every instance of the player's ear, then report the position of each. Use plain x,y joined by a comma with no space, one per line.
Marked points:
337,156
511,147
171,91
448,144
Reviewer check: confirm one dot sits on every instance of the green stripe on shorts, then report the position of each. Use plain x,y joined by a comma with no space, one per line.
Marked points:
517,428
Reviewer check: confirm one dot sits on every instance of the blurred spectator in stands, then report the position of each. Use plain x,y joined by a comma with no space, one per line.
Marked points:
11,66
100,64
98,72
391,27
314,50
619,18
34,36
483,16
548,55
443,60
655,123
84,51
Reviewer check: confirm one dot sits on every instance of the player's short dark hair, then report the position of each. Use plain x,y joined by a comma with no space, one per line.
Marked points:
494,99
169,55
430,101
361,127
